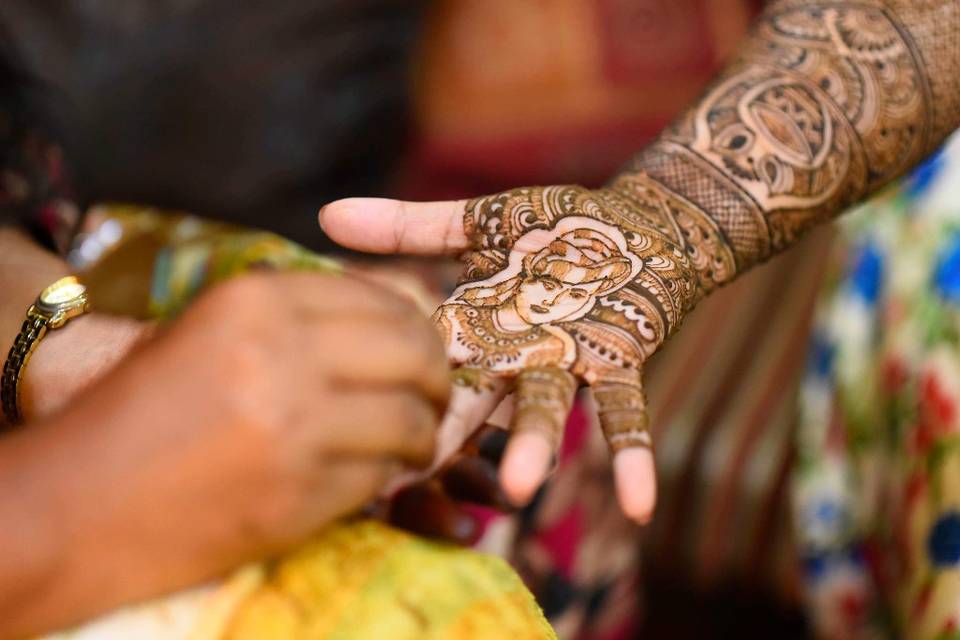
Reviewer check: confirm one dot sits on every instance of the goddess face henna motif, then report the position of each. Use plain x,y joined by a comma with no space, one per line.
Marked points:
517,317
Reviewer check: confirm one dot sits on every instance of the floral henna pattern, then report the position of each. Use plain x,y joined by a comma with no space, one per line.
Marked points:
827,102
588,287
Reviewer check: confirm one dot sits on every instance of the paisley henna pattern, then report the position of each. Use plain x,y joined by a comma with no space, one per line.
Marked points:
826,102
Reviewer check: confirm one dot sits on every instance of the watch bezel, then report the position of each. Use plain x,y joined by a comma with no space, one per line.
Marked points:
57,313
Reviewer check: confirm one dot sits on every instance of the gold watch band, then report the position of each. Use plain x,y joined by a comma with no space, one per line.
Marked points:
56,305
33,330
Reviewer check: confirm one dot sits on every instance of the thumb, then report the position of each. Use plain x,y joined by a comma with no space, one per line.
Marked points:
378,225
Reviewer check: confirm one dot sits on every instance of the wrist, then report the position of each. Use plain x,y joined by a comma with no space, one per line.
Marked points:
702,238
70,359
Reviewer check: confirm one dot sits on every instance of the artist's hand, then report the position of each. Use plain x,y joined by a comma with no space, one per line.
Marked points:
331,382
563,286
275,404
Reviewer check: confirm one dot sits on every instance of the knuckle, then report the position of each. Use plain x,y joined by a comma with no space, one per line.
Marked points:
404,304
241,310
540,420
410,411
250,388
425,343
371,298
418,424
327,284
393,302
247,289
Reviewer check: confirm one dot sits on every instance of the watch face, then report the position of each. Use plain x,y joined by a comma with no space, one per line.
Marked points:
63,291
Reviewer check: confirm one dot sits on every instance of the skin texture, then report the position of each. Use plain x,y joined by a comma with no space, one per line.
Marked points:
826,103
275,404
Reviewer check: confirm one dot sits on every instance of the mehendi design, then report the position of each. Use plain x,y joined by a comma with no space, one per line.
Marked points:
544,397
588,286
827,102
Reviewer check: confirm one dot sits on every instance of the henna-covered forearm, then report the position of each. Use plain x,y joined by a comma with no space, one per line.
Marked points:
826,102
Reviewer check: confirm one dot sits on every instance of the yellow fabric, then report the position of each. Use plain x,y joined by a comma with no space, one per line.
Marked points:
369,581
355,581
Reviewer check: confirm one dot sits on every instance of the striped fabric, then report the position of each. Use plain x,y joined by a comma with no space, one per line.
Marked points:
723,401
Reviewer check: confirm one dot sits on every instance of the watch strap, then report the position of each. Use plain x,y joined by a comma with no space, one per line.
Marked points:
32,331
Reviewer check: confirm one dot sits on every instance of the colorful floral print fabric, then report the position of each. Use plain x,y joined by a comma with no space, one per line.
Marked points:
877,482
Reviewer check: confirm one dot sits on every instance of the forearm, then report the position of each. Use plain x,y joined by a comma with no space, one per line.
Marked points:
68,523
827,102
81,530
34,482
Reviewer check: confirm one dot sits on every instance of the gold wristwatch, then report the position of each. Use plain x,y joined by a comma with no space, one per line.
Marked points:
62,301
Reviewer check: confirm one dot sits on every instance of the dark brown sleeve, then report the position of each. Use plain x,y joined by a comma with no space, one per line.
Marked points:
34,191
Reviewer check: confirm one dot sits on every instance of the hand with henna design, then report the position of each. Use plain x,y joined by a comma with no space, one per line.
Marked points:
567,286
827,102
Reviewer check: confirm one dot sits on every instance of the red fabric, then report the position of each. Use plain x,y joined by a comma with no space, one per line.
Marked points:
551,92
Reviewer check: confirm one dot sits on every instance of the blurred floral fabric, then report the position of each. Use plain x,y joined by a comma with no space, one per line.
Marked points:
512,93
353,581
877,479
